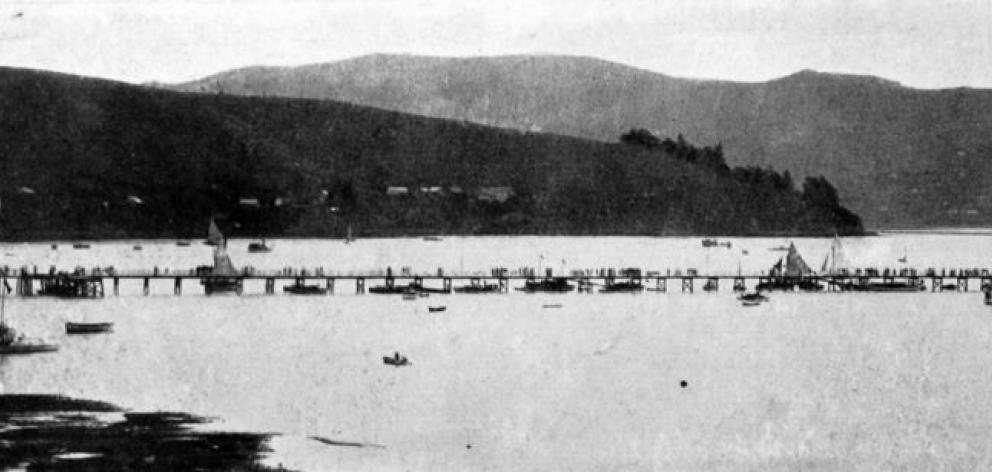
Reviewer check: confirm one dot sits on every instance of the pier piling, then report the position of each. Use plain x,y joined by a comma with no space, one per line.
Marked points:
739,284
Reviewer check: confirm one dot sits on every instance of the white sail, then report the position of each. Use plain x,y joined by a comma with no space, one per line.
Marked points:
222,262
836,260
794,264
214,236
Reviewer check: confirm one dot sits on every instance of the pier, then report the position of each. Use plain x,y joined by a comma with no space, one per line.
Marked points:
90,284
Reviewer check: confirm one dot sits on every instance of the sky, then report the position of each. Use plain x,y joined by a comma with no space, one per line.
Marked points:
924,44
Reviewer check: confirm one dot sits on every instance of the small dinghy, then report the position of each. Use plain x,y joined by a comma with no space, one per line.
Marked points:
556,305
750,303
395,360
753,297
435,309
88,328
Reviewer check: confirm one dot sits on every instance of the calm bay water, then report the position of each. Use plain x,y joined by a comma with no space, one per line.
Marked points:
834,381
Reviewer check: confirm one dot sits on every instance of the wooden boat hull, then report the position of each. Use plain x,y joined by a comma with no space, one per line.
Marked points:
547,285
478,289
28,348
304,290
436,309
402,361
88,328
790,285
221,285
883,287
622,287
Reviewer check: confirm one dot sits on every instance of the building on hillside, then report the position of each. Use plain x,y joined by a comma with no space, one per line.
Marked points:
431,190
496,194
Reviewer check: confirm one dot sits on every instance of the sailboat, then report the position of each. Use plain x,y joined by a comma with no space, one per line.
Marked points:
349,238
835,263
790,273
259,246
214,236
223,276
10,341
903,258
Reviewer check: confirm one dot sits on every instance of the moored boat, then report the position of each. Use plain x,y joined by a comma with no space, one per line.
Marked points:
477,287
893,286
259,246
395,360
87,328
753,297
222,276
299,288
790,273
626,286
714,243
435,309
550,284
27,346
11,342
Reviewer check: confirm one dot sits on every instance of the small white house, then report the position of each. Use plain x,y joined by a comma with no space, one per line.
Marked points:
496,194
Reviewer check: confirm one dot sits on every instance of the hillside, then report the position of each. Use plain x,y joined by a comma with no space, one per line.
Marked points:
900,157
91,158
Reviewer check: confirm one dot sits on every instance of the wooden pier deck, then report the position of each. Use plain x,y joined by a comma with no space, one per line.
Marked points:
82,284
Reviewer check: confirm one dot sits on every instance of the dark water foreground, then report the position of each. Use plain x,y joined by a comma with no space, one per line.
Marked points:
49,432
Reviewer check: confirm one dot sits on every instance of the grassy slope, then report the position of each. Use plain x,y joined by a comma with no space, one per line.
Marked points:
84,145
899,156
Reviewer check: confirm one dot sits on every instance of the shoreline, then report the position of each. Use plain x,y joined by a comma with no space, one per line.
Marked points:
199,240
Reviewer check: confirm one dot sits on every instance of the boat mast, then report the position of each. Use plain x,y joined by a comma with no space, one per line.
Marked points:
3,296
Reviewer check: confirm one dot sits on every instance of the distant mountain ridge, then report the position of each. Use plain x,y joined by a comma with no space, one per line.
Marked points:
900,157
89,158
